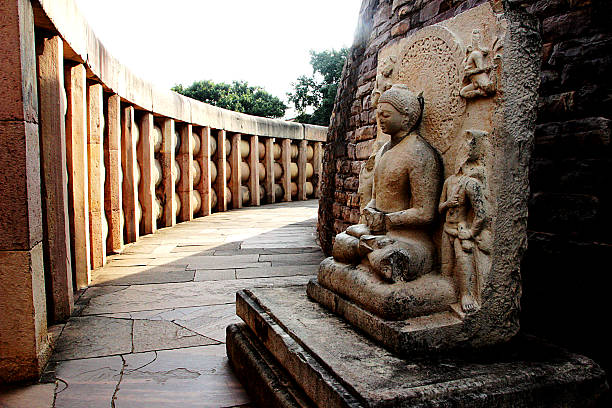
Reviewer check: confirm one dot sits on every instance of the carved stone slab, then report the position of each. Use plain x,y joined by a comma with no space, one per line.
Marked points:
478,74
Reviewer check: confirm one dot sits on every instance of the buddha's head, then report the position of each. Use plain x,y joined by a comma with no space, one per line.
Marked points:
399,109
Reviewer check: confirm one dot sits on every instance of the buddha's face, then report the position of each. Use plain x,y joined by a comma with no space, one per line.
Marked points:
391,121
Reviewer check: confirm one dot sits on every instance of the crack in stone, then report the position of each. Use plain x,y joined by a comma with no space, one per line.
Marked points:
162,376
143,366
114,397
132,336
57,386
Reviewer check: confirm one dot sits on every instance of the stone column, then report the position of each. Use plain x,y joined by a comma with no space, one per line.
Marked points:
24,347
78,174
302,160
317,164
96,160
236,177
130,189
203,159
221,181
55,181
185,186
286,163
254,165
269,164
112,190
167,160
146,190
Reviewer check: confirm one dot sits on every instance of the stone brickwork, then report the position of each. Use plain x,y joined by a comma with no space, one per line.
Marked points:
568,222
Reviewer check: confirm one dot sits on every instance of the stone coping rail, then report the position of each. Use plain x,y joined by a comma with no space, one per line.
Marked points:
84,46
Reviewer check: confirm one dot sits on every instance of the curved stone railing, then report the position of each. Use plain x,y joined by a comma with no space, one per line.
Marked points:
94,157
160,139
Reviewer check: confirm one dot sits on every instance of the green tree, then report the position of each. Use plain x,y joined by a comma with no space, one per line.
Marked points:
237,96
317,93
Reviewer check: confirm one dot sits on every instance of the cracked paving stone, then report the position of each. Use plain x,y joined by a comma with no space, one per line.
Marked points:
209,321
143,277
30,396
173,295
87,383
93,336
197,377
152,335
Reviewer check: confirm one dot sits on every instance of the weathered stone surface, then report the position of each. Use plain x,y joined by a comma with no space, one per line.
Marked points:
208,321
93,336
269,385
214,274
197,377
115,299
33,396
90,382
150,335
24,346
357,372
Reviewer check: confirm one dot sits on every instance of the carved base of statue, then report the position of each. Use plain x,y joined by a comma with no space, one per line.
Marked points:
428,294
292,352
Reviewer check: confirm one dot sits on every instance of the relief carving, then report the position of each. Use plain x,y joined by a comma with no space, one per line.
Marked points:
466,236
425,245
477,70
383,79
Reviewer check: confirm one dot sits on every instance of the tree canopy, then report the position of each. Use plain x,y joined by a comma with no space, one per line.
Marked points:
317,93
237,96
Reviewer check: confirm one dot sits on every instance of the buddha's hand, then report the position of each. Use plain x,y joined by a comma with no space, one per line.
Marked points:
393,220
374,219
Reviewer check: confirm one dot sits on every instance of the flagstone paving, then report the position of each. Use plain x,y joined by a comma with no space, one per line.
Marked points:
150,331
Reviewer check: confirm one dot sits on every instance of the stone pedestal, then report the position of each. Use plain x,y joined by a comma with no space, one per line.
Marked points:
292,352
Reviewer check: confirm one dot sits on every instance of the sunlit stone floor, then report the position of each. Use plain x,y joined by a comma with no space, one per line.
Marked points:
150,331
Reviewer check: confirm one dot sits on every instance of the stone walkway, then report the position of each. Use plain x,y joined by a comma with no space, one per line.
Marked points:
150,331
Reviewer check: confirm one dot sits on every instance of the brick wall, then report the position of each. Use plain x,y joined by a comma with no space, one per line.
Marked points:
570,222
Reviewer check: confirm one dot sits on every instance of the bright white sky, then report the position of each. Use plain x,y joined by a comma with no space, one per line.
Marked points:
264,42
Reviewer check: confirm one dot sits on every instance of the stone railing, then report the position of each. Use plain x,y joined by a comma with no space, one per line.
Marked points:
94,157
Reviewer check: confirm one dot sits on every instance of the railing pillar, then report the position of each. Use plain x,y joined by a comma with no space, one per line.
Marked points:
254,165
78,184
146,158
317,162
269,164
236,176
112,190
286,163
167,161
186,183
55,197
221,174
23,321
302,160
130,188
96,165
203,159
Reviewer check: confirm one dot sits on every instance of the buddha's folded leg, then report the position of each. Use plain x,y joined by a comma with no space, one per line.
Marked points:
402,260
358,230
346,249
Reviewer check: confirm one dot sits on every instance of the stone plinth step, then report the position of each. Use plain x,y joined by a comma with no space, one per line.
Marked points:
336,366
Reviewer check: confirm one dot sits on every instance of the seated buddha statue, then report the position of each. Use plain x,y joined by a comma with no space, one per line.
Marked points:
389,261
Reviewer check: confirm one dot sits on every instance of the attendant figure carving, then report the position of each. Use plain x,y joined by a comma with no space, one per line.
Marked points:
465,237
383,79
476,70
